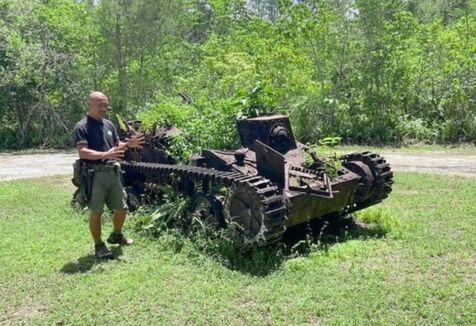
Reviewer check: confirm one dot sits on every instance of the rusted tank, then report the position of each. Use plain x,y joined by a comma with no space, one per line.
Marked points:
270,186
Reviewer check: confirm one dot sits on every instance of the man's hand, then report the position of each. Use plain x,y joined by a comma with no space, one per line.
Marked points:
136,141
114,153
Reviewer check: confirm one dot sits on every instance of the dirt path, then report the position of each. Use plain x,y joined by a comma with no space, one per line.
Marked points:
441,163
36,165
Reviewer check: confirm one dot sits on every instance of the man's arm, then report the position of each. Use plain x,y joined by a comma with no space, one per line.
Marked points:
86,153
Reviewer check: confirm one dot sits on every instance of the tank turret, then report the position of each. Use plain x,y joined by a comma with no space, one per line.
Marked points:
274,131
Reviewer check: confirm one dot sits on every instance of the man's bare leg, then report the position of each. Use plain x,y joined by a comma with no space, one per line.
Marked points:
118,221
95,226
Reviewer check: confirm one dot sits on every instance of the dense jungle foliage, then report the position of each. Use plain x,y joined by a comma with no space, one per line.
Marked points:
369,71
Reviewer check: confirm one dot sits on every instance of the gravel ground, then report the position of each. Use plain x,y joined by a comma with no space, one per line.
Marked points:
441,163
37,165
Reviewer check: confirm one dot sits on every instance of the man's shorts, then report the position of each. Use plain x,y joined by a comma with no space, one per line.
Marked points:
107,189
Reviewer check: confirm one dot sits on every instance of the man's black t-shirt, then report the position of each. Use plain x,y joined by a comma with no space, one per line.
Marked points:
97,135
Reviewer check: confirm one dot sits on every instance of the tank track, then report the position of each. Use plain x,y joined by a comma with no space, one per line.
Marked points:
270,200
383,176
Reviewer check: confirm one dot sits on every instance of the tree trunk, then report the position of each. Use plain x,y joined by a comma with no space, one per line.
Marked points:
121,67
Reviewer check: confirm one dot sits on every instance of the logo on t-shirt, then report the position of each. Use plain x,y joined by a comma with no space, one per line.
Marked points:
109,133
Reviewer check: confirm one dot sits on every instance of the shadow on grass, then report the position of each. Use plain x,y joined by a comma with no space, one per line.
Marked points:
299,241
86,262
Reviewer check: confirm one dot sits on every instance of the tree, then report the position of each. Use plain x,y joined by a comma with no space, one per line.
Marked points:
42,52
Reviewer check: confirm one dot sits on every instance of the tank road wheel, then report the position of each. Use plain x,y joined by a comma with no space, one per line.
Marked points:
381,174
208,209
255,211
245,215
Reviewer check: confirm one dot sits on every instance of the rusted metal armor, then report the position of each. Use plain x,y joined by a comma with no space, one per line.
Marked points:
269,187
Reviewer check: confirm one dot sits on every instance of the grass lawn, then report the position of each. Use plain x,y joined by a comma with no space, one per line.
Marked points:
423,271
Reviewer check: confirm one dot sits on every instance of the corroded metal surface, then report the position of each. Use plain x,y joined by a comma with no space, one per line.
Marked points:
266,198
271,185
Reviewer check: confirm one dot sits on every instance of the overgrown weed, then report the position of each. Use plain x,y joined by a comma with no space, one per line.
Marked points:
380,221
186,233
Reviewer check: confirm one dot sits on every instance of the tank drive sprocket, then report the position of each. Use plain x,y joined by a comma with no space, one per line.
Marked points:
254,209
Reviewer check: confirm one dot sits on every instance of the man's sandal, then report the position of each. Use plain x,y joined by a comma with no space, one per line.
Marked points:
119,239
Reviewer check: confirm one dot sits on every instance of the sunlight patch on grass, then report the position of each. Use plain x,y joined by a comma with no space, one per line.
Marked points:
379,220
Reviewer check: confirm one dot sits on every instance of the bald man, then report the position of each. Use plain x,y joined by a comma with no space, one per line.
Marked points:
99,148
